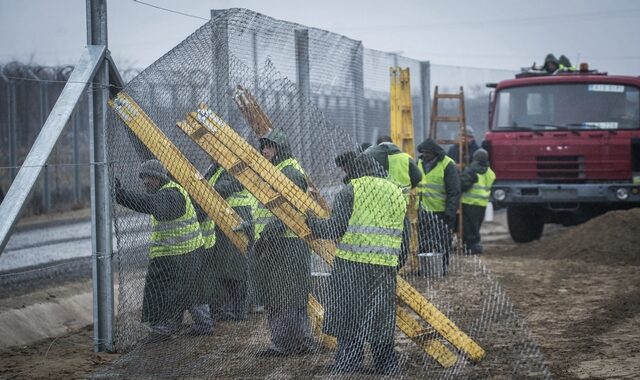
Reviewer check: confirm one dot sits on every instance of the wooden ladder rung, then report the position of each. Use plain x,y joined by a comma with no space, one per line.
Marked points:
443,141
456,119
448,96
238,167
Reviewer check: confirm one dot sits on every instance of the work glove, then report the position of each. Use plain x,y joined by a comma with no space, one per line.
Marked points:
117,185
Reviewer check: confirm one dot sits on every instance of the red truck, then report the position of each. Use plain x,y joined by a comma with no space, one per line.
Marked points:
565,147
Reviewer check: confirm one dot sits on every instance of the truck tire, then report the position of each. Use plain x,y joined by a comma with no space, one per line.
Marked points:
525,223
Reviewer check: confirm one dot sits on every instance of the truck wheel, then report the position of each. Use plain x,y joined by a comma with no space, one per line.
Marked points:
525,223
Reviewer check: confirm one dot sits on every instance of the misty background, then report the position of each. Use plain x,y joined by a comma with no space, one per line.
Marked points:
496,34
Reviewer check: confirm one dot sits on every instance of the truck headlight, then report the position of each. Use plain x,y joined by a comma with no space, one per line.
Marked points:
499,195
622,193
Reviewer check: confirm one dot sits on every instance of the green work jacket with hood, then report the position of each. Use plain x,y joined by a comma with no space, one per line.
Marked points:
477,179
439,189
401,168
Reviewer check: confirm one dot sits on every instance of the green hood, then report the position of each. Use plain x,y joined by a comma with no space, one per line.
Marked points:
280,140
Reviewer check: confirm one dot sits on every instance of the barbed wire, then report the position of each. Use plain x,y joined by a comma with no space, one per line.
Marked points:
90,84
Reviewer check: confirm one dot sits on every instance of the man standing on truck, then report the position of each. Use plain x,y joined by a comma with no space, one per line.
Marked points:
439,195
476,181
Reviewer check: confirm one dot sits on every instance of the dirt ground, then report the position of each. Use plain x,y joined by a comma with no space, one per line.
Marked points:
578,289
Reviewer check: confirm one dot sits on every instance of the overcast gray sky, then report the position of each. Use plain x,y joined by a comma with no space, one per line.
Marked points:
497,34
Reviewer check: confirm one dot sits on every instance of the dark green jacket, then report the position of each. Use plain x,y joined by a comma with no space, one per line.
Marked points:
451,176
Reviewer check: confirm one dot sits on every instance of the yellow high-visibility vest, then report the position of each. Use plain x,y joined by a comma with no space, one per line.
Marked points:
480,192
374,234
178,236
431,190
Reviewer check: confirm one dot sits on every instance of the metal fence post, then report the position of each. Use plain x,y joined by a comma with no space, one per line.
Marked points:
13,131
425,93
357,79
303,80
103,309
75,124
220,64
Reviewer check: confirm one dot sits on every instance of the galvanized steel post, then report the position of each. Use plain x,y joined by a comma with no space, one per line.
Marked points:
303,79
425,95
357,69
101,236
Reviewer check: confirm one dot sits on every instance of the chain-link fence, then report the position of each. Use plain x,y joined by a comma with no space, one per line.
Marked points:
241,125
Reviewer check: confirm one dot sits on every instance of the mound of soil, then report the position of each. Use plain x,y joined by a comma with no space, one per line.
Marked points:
611,239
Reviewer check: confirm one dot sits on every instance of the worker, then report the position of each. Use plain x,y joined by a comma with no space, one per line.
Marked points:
281,262
225,262
401,168
345,162
475,182
454,150
361,305
176,248
551,64
565,64
439,194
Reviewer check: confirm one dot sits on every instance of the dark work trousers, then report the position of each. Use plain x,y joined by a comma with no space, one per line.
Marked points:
472,218
434,235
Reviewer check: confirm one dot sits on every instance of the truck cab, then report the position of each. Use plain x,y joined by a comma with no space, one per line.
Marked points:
565,147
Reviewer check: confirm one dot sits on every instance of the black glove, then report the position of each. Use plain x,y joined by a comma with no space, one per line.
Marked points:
118,184
449,221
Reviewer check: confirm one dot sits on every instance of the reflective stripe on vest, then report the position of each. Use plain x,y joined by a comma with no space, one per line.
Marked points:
479,194
374,234
208,226
431,190
262,215
178,236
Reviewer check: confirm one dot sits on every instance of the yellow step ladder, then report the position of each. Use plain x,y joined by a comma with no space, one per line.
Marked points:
290,204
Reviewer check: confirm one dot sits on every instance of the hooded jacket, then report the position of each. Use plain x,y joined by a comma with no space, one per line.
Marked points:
381,153
336,226
451,175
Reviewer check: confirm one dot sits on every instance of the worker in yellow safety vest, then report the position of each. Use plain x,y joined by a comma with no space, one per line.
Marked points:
369,220
476,181
439,195
400,166
173,282
281,262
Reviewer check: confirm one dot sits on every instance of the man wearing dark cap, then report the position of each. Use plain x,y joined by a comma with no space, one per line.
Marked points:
439,194
476,181
472,146
281,262
171,284
368,219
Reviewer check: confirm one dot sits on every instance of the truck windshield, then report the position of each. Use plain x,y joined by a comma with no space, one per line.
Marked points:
568,106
